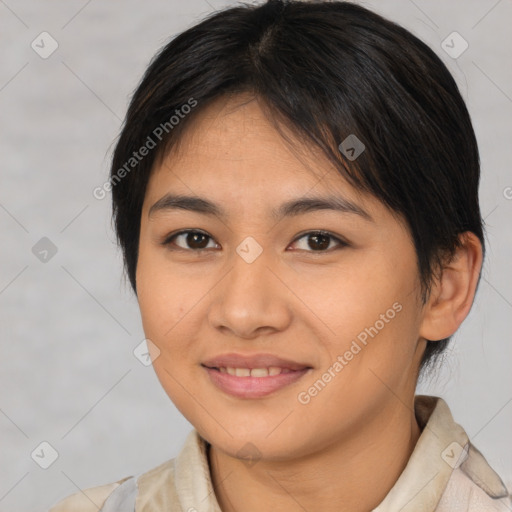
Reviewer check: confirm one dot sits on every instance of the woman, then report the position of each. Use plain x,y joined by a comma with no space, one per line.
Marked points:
295,191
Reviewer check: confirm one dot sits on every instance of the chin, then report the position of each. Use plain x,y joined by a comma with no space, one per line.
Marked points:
255,442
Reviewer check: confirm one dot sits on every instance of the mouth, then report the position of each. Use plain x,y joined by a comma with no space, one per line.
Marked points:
253,376
253,372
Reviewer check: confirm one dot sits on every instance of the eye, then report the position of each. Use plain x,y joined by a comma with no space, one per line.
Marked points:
320,241
196,240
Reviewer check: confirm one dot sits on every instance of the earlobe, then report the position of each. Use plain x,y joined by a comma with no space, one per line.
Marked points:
453,292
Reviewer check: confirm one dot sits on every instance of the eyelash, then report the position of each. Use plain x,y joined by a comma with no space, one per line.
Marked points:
169,239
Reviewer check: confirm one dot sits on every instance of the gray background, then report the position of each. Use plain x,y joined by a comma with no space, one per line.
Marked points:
68,326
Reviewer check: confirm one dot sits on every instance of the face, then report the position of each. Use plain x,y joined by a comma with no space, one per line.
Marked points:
287,328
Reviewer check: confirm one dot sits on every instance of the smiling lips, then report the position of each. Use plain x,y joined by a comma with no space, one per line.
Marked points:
254,372
253,376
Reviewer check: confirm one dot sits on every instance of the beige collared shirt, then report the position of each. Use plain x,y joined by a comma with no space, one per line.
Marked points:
445,473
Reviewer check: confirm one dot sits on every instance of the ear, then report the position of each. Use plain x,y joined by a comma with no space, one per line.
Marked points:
453,292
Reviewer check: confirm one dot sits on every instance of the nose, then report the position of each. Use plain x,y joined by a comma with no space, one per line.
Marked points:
251,300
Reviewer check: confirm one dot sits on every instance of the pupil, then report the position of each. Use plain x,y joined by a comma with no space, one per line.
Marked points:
321,245
192,240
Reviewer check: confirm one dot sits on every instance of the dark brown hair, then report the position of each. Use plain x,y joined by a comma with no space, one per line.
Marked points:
326,70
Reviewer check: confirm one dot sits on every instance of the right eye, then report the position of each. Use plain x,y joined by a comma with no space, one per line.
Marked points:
196,240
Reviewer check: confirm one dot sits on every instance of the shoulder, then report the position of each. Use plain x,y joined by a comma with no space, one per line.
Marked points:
176,484
475,487
463,479
88,500
156,484
463,493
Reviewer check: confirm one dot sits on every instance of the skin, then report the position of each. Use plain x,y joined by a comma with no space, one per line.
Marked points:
346,447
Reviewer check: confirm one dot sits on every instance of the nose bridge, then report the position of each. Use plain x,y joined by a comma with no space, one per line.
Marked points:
249,298
250,275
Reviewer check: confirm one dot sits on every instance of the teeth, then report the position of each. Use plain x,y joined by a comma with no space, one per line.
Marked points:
259,372
254,372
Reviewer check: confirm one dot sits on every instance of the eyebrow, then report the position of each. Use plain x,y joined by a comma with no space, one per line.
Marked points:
288,209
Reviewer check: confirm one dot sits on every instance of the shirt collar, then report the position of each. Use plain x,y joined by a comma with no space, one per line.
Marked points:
442,447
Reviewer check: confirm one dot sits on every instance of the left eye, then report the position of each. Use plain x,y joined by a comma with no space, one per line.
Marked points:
318,241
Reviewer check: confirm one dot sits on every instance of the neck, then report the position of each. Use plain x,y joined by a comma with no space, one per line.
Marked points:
354,473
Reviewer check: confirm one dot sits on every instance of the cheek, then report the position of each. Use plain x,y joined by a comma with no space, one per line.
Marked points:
164,298
351,298
372,306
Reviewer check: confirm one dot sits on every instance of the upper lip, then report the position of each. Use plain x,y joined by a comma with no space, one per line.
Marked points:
252,361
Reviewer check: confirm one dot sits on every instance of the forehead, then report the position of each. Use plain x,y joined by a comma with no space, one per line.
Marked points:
236,129
232,141
233,154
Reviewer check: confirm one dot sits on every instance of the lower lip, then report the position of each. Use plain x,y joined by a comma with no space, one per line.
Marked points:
253,387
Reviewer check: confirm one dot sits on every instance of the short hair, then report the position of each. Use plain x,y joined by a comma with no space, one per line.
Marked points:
327,71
